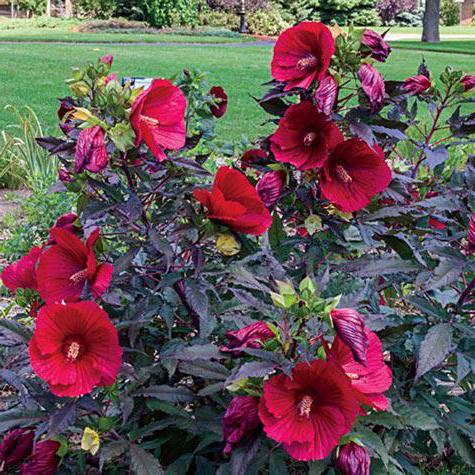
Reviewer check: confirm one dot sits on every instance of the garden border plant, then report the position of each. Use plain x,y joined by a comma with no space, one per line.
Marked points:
310,311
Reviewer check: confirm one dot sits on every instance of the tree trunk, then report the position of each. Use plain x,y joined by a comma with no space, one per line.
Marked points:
430,33
48,8
68,8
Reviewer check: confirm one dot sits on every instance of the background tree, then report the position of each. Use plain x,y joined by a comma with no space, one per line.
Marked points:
430,32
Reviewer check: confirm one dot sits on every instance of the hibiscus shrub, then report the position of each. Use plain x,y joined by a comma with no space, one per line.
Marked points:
305,310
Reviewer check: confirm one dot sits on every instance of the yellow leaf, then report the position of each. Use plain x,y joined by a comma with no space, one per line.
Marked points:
81,113
90,441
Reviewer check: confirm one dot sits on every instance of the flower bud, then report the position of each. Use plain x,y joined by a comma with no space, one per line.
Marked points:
80,88
91,153
250,336
228,245
378,48
373,85
107,59
66,106
350,327
44,460
221,101
471,236
270,187
66,221
240,421
353,459
110,77
468,82
416,84
65,175
15,447
325,95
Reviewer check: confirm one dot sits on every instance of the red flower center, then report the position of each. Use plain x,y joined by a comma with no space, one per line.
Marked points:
342,174
78,276
309,62
309,139
74,348
149,120
304,407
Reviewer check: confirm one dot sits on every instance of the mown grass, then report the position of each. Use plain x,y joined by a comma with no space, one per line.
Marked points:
33,74
448,46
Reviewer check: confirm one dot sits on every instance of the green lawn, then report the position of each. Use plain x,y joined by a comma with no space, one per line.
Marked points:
449,46
33,74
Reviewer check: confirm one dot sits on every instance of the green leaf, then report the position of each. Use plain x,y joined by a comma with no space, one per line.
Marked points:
20,418
415,417
373,441
19,330
434,348
143,462
462,446
168,393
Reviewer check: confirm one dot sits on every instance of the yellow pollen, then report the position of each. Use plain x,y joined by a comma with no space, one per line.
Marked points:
309,139
73,351
307,63
353,375
149,120
78,276
305,406
342,174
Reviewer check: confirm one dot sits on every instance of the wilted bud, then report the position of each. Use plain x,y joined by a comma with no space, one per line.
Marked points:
80,88
252,157
107,59
228,245
353,459
91,153
15,447
218,109
374,42
468,82
270,187
66,106
251,336
373,85
350,327
44,460
416,84
240,421
65,175
90,441
66,221
325,95
471,236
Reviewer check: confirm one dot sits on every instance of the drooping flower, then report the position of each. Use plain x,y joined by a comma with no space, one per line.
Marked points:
252,157
377,47
373,85
75,347
221,101
350,327
416,84
353,174
66,221
67,105
302,54
309,412
250,336
304,137
66,267
353,459
15,448
471,236
107,59
240,421
325,95
227,244
43,461
22,273
468,82
270,187
91,152
371,381
158,118
235,203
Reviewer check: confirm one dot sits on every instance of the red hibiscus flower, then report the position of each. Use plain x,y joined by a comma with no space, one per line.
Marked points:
326,94
310,412
373,85
240,421
353,459
304,137
221,101
416,84
66,267
91,152
250,336
302,54
353,174
43,461
468,82
270,187
377,48
74,348
22,273
158,118
371,381
15,448
236,203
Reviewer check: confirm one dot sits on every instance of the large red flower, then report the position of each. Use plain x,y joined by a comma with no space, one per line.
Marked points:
304,137
302,54
74,348
310,412
22,273
158,118
236,203
65,268
44,460
371,381
353,174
